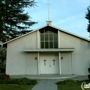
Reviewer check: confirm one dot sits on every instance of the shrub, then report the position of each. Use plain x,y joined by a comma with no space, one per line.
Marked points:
2,68
21,81
33,82
26,81
89,77
89,70
68,81
4,76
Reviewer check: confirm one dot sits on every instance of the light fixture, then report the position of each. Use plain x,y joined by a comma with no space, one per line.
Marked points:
61,58
35,58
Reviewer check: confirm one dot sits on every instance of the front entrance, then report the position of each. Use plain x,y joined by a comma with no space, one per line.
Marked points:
49,63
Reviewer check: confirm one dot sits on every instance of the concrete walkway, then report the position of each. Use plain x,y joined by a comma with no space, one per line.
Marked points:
46,85
49,84
44,76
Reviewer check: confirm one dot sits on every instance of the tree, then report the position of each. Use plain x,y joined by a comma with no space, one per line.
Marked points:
13,20
88,17
2,55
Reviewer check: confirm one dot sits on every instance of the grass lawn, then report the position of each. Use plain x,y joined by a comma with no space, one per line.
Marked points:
16,84
69,87
70,84
15,87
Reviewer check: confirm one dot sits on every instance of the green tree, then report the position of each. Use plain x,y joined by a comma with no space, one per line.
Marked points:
13,19
88,18
3,55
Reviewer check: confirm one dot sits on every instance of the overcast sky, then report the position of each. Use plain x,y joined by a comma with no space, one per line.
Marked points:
68,15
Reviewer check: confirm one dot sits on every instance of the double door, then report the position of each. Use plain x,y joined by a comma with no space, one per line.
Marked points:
49,64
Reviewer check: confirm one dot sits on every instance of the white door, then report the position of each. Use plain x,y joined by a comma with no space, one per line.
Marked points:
49,64
66,63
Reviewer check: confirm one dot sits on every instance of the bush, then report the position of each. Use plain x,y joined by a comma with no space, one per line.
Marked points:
89,77
4,76
21,81
89,70
26,81
2,68
68,82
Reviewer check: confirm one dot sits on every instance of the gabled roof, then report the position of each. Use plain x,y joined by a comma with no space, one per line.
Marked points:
62,30
51,27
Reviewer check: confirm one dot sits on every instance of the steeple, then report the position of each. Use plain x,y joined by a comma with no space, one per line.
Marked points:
48,22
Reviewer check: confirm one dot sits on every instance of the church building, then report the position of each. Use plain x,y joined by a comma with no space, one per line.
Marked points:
48,50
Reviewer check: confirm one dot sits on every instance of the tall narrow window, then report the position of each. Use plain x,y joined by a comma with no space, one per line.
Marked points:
49,39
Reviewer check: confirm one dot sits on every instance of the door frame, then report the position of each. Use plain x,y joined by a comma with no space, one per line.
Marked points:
59,65
39,64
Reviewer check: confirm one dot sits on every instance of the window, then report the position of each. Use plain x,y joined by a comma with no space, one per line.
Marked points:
49,39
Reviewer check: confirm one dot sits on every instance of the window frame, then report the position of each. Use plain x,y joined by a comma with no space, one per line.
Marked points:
48,40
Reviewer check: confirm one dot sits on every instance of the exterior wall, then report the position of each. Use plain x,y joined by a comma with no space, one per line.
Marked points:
16,59
81,54
66,63
21,63
31,63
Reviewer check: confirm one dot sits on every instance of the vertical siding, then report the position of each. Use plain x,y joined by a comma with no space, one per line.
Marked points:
66,63
31,63
81,54
15,63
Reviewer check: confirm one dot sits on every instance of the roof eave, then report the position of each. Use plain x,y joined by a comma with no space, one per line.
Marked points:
52,27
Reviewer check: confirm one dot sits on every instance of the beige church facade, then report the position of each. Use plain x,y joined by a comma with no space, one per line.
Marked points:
48,50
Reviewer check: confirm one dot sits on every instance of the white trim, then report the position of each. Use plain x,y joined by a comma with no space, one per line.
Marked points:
38,64
26,63
50,50
59,63
70,33
23,35
52,27
72,62
58,39
37,38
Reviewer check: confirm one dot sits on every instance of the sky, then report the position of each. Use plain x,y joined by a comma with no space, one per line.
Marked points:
68,15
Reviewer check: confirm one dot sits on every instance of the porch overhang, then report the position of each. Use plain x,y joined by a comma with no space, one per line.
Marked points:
50,50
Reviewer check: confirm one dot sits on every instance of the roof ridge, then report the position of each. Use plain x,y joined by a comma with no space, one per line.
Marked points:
52,27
